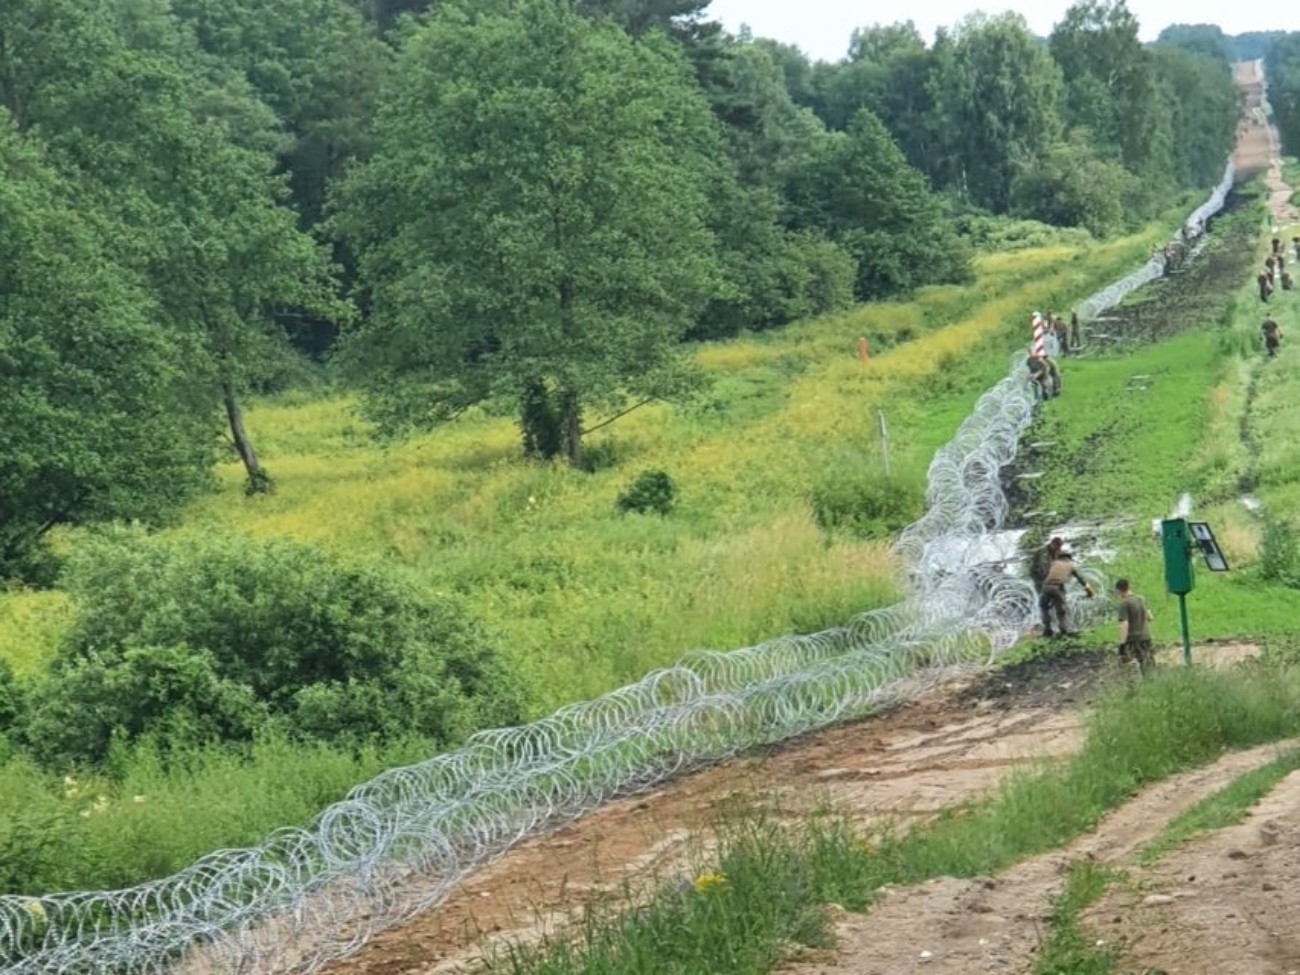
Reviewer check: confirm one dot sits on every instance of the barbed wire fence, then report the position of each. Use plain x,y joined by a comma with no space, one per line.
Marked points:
398,844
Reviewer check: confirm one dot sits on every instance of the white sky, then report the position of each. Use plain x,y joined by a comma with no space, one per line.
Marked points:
822,27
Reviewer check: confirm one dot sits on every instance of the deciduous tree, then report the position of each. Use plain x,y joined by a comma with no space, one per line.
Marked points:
98,422
532,224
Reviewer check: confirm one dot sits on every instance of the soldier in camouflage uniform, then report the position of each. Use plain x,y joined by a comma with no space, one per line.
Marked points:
1042,560
1051,598
1134,628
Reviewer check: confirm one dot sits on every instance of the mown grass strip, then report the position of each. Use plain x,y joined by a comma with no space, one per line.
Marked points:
1068,950
768,887
1227,807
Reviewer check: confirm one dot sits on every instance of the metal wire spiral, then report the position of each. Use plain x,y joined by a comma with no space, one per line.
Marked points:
398,844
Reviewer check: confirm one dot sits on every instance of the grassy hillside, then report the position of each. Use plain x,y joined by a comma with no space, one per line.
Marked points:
1202,412
586,598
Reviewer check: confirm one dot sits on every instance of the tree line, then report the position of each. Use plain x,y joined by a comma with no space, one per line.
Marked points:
523,205
1282,75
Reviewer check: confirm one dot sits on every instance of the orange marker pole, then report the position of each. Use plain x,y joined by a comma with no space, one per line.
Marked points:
864,352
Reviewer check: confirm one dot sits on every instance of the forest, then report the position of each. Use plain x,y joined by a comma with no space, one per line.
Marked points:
529,209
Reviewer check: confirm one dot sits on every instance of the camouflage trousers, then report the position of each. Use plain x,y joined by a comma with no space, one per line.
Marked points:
1138,650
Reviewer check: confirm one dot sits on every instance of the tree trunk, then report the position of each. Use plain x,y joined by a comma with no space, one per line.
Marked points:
258,480
568,406
537,420
571,426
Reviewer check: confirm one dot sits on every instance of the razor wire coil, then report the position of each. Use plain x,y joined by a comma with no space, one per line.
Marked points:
399,843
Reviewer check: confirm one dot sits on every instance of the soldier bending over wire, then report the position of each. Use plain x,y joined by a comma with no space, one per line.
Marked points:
1052,598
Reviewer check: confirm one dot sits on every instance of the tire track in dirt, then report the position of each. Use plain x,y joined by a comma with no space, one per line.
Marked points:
943,748
991,925
1223,904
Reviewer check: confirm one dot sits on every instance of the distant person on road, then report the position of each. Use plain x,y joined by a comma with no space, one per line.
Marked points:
1277,245
1265,285
1295,246
1074,329
1287,283
1042,560
1270,268
1051,600
1272,335
1134,627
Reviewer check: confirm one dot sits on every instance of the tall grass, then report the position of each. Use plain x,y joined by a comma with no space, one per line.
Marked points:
587,598
141,819
31,624
583,598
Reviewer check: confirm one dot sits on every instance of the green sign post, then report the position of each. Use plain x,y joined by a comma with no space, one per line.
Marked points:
1179,539
1179,578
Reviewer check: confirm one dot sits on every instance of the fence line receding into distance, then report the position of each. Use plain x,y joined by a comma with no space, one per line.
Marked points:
398,844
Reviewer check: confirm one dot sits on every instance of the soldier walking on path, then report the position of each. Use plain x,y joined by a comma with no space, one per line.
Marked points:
1051,600
1265,285
1134,628
1272,336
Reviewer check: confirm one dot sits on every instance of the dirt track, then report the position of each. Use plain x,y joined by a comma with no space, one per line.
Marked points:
948,746
963,927
941,749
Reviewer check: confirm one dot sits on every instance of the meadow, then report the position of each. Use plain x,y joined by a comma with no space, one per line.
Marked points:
586,598
582,597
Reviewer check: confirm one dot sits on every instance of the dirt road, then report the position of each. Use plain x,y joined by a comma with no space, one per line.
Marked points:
946,747
1258,148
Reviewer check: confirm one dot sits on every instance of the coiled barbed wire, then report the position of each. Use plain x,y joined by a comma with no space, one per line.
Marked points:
399,843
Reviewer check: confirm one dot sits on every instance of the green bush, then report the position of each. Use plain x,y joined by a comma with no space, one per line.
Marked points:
174,693
189,640
10,699
652,490
1000,233
854,497
1279,556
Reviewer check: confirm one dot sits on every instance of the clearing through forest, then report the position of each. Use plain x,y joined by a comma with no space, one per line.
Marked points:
948,746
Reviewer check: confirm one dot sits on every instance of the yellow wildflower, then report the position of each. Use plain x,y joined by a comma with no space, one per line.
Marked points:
35,909
707,883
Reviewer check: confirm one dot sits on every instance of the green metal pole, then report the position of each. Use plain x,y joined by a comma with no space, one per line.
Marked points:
1187,639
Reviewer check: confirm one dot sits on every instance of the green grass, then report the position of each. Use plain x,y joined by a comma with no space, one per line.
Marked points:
1224,808
141,820
769,895
1067,950
742,916
585,598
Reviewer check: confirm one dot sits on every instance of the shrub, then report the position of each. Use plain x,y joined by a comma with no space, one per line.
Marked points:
10,699
175,694
853,496
652,490
1279,556
193,640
